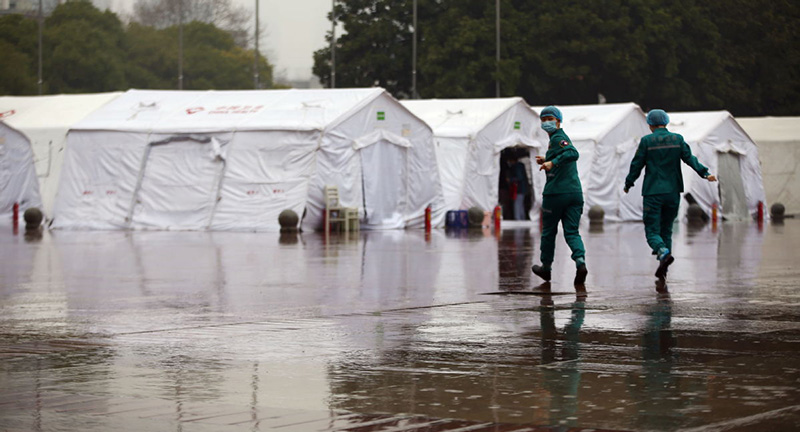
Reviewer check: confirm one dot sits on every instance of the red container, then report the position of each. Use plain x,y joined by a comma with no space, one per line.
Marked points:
16,217
428,218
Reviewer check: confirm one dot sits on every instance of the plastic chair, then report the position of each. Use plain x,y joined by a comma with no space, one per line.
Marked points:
336,214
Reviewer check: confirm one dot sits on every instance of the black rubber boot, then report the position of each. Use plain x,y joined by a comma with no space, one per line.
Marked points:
663,266
580,274
541,272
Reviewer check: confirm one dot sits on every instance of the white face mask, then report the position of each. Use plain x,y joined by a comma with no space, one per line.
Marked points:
549,126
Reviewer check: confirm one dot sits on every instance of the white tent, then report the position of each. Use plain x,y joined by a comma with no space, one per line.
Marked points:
722,145
33,131
778,140
233,160
18,183
470,134
606,136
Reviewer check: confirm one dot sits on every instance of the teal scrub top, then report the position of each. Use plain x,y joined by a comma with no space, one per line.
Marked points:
662,152
563,177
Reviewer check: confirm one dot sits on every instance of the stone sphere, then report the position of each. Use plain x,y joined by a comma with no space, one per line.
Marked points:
777,210
695,213
596,213
475,216
288,219
33,218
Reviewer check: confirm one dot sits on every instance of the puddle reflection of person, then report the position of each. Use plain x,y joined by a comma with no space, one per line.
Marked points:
658,393
561,376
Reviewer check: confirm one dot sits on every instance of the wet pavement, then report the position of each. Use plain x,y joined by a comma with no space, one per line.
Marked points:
393,331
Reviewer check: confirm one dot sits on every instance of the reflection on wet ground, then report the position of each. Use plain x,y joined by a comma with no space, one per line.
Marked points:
398,331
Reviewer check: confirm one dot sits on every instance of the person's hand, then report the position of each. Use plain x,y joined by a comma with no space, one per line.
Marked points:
711,178
539,160
626,189
547,166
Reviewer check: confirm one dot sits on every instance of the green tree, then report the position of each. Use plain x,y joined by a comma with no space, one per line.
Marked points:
459,58
761,42
84,50
152,58
19,51
223,14
375,49
677,55
211,59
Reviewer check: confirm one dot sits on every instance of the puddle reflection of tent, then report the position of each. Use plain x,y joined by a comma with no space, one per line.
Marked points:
470,135
722,145
233,160
33,131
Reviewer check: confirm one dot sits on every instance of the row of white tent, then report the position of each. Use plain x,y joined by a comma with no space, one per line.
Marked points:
233,160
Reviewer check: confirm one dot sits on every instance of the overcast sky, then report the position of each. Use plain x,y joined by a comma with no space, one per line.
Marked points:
294,30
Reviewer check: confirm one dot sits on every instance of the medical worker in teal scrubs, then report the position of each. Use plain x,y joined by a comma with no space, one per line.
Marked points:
660,154
562,197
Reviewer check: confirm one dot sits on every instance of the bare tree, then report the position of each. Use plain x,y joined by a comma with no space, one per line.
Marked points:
222,13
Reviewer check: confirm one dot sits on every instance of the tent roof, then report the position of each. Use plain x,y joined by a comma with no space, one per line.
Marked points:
771,129
593,122
460,117
694,126
56,113
169,111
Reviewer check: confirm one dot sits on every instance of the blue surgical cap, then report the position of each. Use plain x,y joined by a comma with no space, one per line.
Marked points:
657,117
551,111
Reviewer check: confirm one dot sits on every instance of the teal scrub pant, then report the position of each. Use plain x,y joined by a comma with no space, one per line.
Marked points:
660,212
567,209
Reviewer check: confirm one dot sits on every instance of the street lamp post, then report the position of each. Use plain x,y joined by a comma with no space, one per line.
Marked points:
255,57
414,56
41,24
497,25
180,44
333,44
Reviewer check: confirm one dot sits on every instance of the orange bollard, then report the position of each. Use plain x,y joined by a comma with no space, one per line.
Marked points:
428,219
714,218
498,217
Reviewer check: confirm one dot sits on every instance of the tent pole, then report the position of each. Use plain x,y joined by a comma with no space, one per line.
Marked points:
142,167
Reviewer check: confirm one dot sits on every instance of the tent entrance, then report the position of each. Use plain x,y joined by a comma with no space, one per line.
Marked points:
178,184
509,174
384,167
731,187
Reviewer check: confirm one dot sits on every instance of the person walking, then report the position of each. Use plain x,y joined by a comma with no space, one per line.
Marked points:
660,154
562,198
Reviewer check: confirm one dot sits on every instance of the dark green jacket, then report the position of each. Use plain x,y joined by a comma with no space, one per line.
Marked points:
662,152
563,177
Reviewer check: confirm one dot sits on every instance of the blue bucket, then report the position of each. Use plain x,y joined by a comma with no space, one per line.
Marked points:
456,219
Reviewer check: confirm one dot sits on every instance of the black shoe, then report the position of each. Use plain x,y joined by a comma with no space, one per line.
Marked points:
541,272
663,266
580,274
